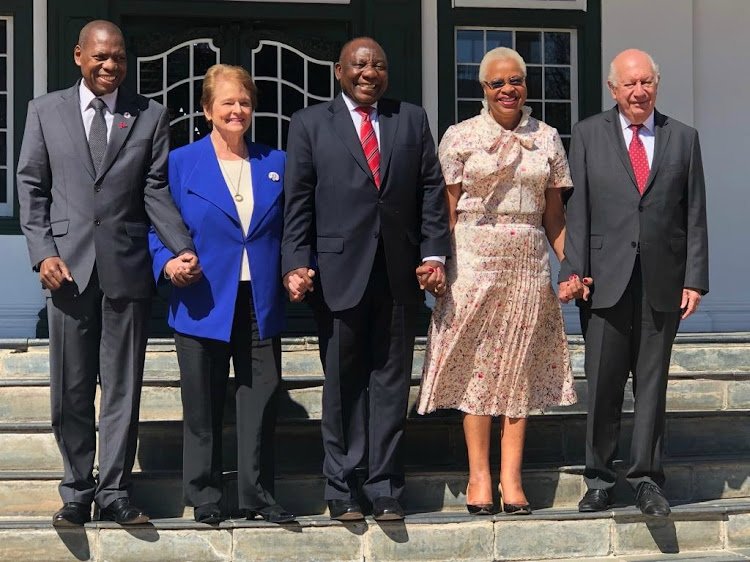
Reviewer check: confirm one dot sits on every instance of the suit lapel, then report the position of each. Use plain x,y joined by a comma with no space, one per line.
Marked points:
661,140
618,141
266,190
207,182
126,113
70,116
388,122
344,127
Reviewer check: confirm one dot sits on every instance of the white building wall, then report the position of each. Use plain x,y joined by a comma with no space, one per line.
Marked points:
701,47
20,291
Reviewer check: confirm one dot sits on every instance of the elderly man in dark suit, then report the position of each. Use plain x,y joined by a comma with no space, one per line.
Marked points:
91,174
365,210
637,253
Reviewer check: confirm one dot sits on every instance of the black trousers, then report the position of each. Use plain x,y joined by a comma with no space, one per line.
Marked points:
204,371
630,337
367,354
91,335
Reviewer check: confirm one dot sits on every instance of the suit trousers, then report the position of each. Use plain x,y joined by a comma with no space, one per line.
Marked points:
630,337
92,335
204,373
368,352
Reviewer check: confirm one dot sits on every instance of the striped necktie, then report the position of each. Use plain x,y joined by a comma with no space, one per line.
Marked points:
369,143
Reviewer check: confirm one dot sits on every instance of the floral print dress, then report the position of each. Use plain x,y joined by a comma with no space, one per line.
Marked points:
496,342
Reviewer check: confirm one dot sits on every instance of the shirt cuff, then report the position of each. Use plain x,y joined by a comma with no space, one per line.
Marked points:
441,259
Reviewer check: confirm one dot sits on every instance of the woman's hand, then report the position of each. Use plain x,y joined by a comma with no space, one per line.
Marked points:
431,277
183,270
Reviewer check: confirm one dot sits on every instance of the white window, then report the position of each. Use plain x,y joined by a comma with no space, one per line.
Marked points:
538,4
551,71
174,78
6,116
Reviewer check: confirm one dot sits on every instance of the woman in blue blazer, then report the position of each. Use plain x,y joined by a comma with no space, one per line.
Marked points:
229,192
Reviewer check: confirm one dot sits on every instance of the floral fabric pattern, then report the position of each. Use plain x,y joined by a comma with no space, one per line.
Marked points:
496,342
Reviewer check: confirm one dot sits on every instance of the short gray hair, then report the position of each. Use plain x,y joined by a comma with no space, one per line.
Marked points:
612,76
500,53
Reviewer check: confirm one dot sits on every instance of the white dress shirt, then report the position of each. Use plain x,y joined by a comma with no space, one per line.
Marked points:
646,134
88,112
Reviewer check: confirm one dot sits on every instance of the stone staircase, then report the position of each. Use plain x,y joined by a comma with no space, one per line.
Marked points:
707,461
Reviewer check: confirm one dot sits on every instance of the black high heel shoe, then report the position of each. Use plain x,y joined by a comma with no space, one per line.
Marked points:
510,508
480,508
273,514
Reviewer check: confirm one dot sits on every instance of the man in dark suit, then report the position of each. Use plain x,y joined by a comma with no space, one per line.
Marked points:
91,174
636,250
365,208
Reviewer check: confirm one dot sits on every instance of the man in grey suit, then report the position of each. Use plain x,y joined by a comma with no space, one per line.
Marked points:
91,175
636,253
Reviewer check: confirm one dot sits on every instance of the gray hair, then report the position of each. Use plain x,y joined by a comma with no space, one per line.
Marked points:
500,53
612,76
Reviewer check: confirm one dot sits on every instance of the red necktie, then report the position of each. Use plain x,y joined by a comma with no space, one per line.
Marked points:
638,159
369,143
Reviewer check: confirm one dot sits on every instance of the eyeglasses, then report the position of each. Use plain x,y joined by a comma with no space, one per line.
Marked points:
497,84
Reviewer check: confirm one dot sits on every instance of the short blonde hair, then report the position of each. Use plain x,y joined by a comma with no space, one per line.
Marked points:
227,72
500,53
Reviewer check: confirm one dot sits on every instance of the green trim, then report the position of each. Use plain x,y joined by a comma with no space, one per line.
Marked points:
588,27
22,87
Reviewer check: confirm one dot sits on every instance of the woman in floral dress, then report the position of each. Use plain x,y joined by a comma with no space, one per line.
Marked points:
496,343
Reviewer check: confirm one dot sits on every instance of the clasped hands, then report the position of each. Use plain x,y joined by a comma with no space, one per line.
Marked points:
183,270
575,288
431,277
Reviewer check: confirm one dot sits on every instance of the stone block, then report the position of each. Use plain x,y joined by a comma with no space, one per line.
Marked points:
292,543
22,404
395,541
29,498
738,530
711,357
738,395
29,452
698,395
301,363
709,435
160,545
552,488
160,497
679,482
50,545
541,540
159,403
653,536
721,480
24,364
301,403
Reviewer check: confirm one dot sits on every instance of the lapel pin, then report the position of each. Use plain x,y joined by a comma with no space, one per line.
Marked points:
123,125
273,176
127,115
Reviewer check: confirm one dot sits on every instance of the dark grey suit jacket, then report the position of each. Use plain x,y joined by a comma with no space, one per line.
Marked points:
608,221
334,213
67,210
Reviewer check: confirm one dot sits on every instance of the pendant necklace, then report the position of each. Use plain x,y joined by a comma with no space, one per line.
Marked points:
236,187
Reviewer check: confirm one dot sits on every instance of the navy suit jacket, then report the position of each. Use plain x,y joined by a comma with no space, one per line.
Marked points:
206,308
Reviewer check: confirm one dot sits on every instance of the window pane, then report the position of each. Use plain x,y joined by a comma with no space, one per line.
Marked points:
468,109
529,46
265,62
536,109
566,143
469,45
557,83
291,100
3,75
3,185
178,65
558,116
534,82
292,68
178,101
3,36
3,111
266,131
203,58
151,76
318,80
3,151
468,81
201,128
179,134
499,39
284,135
557,48
267,96
197,93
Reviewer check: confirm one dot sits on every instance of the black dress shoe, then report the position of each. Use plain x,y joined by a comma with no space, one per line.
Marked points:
386,508
121,511
207,513
596,500
345,510
651,501
272,513
72,514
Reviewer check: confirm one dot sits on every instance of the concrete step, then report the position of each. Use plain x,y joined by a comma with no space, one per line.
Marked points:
720,529
27,493
435,441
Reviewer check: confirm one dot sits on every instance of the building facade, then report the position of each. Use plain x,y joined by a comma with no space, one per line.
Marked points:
434,48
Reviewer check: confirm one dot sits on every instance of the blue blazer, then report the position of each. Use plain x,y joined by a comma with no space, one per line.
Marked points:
206,308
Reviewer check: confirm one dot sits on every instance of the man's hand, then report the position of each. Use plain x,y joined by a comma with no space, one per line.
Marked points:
575,288
691,298
183,270
298,282
53,273
431,277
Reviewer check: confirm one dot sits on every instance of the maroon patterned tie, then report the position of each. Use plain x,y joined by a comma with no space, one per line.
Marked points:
369,143
638,158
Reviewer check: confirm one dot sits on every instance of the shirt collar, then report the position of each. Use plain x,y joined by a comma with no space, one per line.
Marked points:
352,105
648,124
87,96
